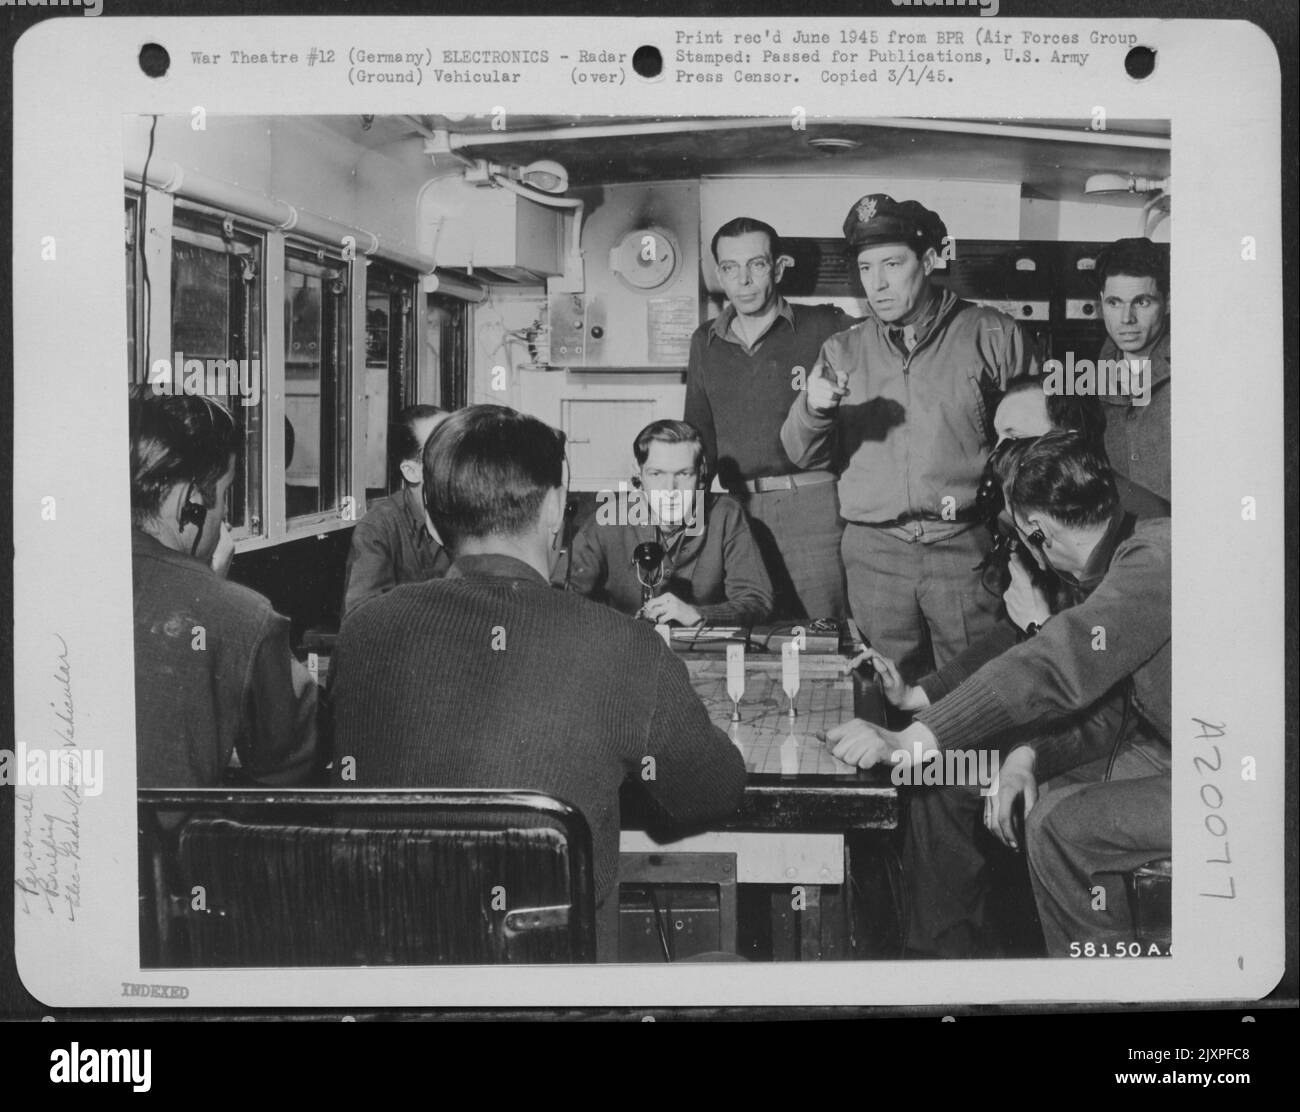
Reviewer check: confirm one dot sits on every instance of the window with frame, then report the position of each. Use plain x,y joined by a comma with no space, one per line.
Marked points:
391,368
135,372
317,378
446,320
217,339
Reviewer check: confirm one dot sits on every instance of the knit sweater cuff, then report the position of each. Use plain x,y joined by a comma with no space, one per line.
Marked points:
966,716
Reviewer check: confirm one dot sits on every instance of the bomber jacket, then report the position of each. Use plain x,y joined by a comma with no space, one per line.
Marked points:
1068,666
916,427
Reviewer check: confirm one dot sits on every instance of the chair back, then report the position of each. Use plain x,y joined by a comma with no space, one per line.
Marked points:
309,877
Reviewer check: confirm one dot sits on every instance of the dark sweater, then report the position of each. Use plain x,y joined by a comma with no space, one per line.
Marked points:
491,679
738,398
718,571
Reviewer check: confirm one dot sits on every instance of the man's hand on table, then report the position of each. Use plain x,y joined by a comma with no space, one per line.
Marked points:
669,608
858,742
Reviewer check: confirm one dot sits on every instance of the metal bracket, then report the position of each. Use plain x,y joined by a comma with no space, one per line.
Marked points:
524,919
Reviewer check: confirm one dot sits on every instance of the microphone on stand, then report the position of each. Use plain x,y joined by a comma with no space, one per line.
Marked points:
648,559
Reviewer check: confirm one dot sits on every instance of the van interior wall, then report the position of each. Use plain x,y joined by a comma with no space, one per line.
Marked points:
300,161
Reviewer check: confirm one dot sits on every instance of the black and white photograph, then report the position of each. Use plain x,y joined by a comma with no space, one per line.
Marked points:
762,564
676,512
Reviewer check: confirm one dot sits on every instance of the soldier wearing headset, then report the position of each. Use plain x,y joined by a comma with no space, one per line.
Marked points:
1099,668
213,671
710,570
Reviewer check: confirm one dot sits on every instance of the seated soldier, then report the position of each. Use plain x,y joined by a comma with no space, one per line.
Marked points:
213,671
711,569
1061,704
1026,410
395,542
1024,413
487,678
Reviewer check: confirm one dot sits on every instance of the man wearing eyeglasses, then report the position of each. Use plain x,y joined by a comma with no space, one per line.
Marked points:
745,367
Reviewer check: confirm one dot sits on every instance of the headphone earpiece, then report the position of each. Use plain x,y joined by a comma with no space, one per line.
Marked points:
636,482
1037,539
194,513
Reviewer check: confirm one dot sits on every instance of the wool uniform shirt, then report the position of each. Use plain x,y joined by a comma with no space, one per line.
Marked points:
213,676
489,678
916,427
391,545
1137,436
719,571
1063,670
738,396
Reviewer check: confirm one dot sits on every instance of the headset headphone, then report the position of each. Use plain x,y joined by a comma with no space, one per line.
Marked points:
1037,537
196,514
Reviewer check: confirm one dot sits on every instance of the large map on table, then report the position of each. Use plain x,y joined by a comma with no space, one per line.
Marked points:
770,740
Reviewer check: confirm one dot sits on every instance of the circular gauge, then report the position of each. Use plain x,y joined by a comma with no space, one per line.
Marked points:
646,259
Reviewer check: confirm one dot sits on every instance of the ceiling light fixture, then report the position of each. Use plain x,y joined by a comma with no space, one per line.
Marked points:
833,144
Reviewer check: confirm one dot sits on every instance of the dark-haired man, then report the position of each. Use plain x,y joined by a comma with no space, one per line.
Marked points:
742,374
213,671
903,399
1026,413
1133,283
395,542
1097,670
488,678
711,570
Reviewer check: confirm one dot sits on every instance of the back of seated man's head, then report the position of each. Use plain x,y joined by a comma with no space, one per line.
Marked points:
1026,410
493,473
406,439
182,463
1062,475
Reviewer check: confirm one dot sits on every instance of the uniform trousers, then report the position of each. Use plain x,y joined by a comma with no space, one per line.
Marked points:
798,534
918,602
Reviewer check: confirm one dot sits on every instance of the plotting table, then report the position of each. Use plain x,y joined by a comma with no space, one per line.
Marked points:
799,805
771,741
